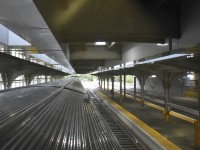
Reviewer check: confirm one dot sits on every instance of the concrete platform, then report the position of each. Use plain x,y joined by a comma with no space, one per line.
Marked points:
178,131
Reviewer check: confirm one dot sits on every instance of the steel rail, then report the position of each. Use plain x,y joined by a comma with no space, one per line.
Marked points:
126,140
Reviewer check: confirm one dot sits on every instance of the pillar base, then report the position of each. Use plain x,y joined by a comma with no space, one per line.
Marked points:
142,103
167,115
197,134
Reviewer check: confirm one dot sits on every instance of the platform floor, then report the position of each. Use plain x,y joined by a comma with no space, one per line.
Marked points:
178,131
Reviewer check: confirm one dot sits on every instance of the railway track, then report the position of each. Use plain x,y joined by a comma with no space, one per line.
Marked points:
125,139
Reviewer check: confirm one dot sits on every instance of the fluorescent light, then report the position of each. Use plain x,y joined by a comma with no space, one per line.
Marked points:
162,44
190,75
95,72
117,67
190,56
129,64
153,76
100,43
161,58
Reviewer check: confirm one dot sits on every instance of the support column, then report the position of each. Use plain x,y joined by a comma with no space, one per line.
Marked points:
28,78
182,87
134,88
5,80
170,43
8,79
167,103
9,84
27,55
104,83
7,49
107,84
51,78
142,90
124,87
45,78
101,83
38,80
113,91
120,88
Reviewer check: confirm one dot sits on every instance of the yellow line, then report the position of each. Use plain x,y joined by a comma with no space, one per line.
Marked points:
154,134
183,117
155,106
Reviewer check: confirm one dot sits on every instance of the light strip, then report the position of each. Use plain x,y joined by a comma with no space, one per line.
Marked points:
100,43
153,76
161,58
160,44
129,64
117,67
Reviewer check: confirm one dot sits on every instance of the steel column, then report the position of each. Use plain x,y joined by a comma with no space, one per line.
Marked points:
134,88
142,90
108,84
124,86
112,79
170,43
104,84
166,88
120,89
101,84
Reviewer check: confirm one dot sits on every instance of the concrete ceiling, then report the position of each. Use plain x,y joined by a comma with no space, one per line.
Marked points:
78,23
23,18
119,20
87,57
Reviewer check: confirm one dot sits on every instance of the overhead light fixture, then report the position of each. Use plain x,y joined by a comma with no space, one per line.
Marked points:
153,76
95,72
190,56
116,67
129,64
162,44
190,75
100,43
161,58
